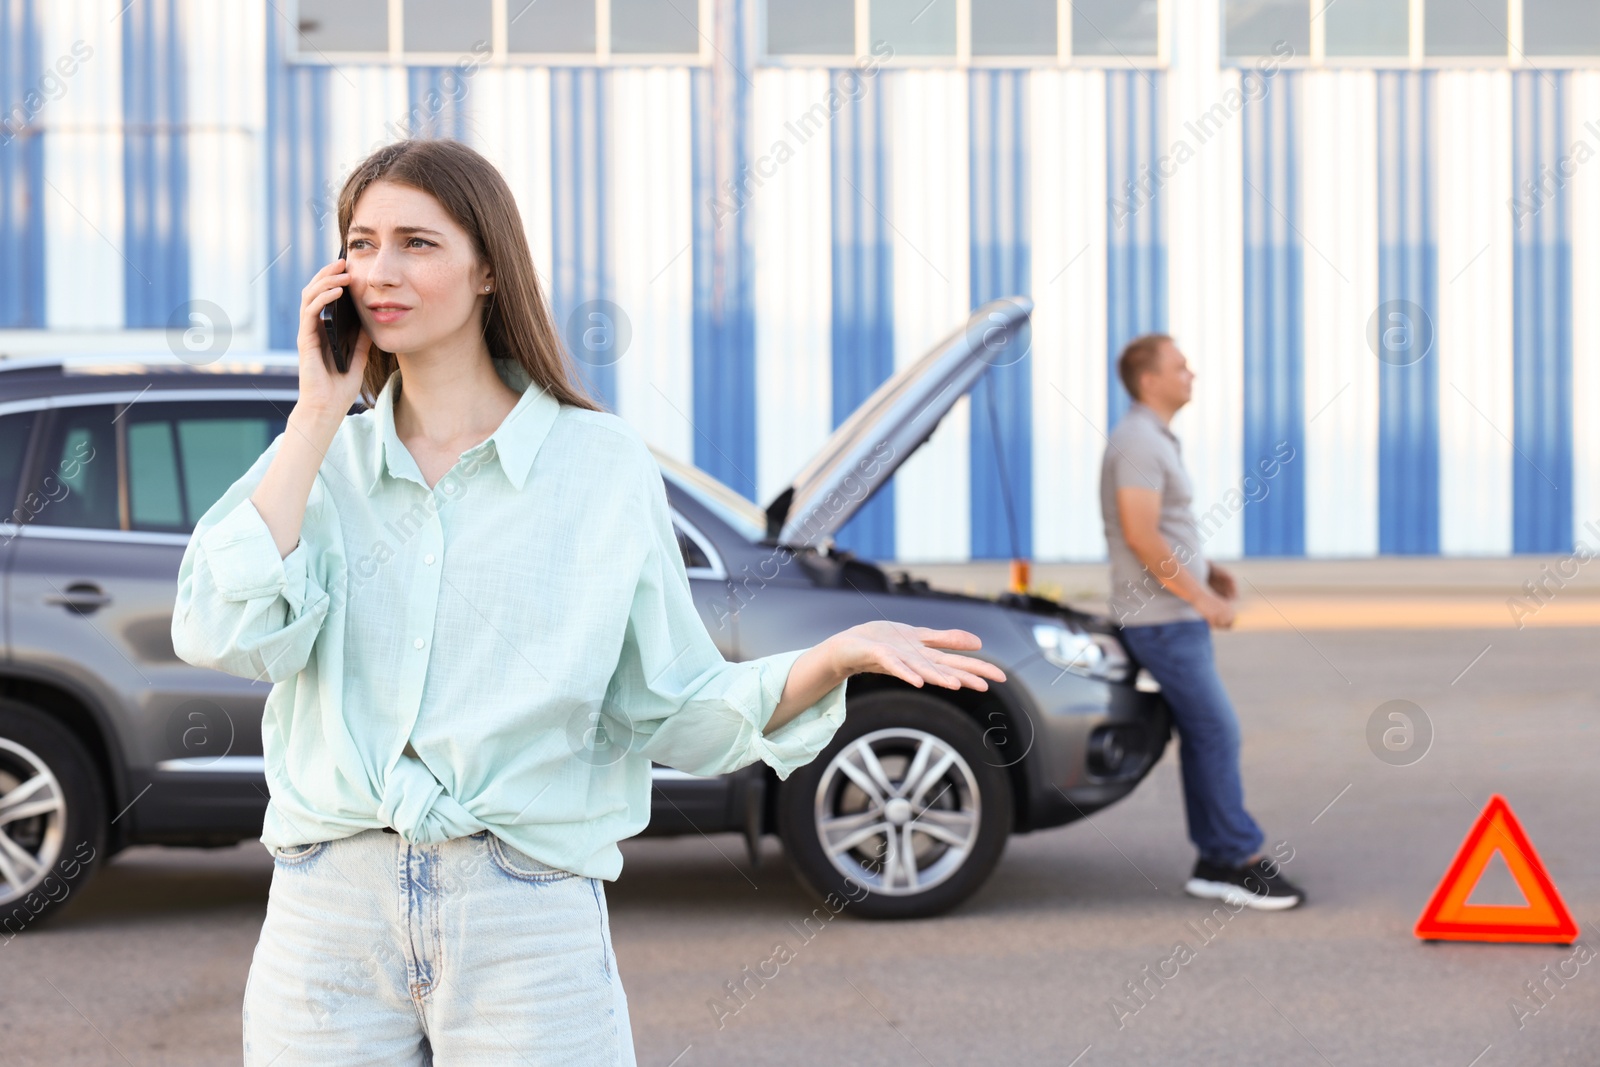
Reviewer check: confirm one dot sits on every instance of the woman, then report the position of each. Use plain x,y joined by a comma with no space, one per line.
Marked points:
473,608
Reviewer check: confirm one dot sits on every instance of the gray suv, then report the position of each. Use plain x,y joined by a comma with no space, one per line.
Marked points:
107,739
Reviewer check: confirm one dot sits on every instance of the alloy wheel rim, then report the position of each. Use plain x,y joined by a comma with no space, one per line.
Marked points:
33,819
898,811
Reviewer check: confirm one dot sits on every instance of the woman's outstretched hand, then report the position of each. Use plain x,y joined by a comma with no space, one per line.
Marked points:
913,654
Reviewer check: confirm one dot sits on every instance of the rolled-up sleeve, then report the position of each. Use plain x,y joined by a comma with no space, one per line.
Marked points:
676,699
240,607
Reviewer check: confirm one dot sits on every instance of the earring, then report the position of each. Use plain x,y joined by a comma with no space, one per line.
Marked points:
486,288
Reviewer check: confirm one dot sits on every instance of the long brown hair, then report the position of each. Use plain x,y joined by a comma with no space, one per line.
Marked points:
517,323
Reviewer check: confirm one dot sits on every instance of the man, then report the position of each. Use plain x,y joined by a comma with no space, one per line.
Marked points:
1167,596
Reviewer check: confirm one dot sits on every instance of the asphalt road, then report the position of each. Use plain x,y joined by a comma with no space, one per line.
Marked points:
149,967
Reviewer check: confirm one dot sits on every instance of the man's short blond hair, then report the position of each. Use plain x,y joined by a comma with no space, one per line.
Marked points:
1138,356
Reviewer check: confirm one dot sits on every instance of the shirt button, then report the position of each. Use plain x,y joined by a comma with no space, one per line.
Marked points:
428,559
418,643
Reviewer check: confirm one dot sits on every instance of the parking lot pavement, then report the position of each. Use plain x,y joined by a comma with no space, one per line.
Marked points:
1037,968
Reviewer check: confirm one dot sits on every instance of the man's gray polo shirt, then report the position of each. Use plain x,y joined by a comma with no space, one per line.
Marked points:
1143,452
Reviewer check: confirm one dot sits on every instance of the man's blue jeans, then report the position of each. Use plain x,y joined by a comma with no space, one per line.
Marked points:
1179,656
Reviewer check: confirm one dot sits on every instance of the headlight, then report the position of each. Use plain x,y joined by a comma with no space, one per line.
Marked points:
1091,655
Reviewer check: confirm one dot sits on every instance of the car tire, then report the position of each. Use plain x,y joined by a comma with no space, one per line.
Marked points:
51,851
957,822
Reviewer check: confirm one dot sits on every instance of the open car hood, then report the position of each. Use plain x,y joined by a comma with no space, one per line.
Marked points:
881,434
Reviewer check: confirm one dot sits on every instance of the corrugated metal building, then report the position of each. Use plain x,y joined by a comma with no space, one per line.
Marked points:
1369,225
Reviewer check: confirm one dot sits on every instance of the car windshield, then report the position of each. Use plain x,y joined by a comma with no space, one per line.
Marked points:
748,520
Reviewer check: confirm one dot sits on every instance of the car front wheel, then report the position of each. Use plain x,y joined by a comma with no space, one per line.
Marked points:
904,814
52,818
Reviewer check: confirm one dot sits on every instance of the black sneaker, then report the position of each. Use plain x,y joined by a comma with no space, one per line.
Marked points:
1258,885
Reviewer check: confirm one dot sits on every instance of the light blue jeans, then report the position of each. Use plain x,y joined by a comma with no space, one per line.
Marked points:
468,952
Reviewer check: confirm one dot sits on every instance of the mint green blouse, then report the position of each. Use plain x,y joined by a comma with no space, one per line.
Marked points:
507,650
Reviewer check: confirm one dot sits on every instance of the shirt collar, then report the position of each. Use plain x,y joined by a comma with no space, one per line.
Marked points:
515,441
1140,408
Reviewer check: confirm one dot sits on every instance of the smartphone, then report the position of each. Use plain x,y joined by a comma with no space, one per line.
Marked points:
340,326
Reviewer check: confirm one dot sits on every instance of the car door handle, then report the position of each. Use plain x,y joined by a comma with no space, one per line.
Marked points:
83,598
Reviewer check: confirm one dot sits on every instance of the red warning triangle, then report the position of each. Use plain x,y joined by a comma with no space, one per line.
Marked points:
1448,916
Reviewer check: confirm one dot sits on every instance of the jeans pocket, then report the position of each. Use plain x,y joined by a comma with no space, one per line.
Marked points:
514,863
292,855
608,956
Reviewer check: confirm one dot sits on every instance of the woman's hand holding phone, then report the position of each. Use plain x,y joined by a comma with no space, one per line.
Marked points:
321,387
325,397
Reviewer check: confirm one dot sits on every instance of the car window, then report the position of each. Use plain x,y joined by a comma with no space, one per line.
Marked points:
15,430
183,455
75,484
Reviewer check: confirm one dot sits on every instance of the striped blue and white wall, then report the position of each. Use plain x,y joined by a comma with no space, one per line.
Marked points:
782,239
